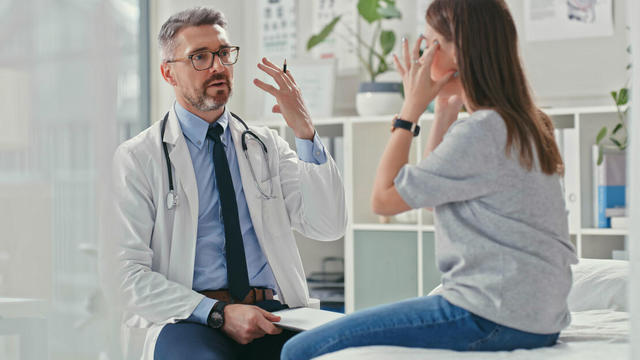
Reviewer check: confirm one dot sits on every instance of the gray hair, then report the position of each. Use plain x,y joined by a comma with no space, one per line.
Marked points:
196,16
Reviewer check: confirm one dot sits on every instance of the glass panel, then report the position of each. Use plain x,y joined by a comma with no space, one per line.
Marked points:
369,142
70,90
430,273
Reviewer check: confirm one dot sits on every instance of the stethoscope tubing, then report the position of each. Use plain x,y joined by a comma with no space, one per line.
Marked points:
172,199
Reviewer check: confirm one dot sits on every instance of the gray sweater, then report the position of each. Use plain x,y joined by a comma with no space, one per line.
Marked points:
502,239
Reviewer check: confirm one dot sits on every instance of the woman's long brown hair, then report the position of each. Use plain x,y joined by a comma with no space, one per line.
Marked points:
492,76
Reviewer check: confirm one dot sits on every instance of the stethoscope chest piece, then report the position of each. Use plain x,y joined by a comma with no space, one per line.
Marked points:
172,200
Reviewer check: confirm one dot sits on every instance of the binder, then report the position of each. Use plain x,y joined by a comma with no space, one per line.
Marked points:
571,157
609,184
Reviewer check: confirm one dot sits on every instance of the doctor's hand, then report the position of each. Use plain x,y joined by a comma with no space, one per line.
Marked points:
419,88
289,100
245,323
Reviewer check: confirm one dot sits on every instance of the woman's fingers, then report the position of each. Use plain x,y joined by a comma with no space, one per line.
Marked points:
405,54
276,109
429,53
399,66
415,55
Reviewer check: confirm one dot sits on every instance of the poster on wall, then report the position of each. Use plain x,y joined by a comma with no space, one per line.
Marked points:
340,45
278,28
316,80
567,19
277,25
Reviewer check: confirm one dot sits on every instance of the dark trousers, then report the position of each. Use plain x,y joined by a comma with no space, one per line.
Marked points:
186,340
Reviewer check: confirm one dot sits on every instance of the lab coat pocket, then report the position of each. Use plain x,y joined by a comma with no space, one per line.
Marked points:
268,189
274,213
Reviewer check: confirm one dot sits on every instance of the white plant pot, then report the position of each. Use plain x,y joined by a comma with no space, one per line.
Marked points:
381,98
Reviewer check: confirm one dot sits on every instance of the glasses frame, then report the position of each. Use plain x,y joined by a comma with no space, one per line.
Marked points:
213,58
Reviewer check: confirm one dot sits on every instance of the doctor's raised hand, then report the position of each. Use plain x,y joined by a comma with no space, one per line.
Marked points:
289,99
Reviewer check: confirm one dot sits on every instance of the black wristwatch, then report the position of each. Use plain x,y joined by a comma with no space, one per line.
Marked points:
407,125
215,320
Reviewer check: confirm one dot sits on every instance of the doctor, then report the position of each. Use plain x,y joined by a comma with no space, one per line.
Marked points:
206,207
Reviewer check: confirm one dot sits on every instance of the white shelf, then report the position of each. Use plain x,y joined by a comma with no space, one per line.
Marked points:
355,119
386,227
393,227
598,231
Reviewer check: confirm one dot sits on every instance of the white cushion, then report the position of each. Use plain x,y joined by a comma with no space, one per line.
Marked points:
599,284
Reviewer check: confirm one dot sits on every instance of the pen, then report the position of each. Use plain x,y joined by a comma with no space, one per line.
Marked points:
284,67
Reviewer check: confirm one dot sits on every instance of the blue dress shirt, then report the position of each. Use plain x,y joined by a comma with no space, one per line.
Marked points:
210,267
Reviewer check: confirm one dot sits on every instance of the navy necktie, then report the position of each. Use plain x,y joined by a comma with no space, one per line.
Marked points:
237,274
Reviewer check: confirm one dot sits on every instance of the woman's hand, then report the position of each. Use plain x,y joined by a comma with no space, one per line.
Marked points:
419,88
289,100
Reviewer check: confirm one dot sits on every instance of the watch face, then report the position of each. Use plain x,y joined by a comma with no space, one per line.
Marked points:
215,320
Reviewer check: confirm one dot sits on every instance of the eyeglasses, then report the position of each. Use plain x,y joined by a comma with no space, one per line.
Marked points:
203,60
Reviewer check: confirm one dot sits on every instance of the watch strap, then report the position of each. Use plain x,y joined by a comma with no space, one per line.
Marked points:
414,128
216,315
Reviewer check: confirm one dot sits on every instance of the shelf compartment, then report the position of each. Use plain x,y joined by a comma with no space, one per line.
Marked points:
385,267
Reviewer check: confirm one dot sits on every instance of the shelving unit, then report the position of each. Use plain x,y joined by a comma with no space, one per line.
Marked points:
393,261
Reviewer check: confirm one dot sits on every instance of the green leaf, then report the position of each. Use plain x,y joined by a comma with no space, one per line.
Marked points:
387,41
322,35
601,134
382,67
616,129
614,95
600,155
615,141
389,12
368,9
623,96
629,66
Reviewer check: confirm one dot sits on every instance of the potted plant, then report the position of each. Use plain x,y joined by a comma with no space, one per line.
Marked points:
374,98
619,134
610,169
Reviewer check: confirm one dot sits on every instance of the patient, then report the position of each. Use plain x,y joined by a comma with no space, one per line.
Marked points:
493,179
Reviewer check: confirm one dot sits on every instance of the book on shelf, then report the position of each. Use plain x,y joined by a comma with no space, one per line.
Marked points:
616,211
609,184
619,222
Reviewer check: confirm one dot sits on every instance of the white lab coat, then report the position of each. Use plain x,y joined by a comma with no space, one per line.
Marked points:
156,246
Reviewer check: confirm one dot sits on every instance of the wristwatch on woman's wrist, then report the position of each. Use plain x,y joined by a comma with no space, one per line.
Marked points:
215,320
414,128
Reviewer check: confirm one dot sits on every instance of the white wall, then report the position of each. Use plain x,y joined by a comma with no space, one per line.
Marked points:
562,73
579,71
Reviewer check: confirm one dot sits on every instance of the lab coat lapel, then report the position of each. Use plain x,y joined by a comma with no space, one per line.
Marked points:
183,247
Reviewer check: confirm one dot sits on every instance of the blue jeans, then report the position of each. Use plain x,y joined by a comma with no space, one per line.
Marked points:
426,322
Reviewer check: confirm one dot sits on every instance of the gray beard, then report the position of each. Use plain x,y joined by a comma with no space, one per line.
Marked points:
204,102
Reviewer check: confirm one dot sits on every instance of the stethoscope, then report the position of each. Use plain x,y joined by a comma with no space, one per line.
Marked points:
247,134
